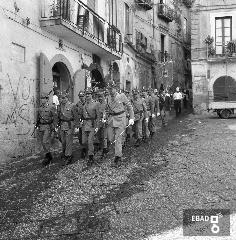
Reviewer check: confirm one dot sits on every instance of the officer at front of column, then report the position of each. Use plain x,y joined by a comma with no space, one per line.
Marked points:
90,123
69,120
80,105
117,118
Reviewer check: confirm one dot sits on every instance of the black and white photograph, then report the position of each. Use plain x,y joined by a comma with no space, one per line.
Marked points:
117,119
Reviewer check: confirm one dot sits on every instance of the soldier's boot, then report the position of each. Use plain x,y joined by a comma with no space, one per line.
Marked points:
68,160
83,153
48,159
117,162
104,152
90,161
138,142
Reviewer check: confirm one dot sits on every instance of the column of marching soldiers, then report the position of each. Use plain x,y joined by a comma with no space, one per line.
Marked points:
101,120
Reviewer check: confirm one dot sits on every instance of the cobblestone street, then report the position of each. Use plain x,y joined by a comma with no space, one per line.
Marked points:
190,164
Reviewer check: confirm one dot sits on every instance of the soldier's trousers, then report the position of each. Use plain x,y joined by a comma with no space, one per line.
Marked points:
138,128
45,139
67,141
118,138
102,137
152,125
146,132
88,141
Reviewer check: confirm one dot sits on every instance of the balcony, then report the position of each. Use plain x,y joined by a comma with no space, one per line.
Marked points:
146,4
163,56
228,53
142,53
165,12
74,22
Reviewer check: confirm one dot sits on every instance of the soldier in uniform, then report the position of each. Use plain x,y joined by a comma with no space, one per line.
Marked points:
68,121
117,118
140,113
151,109
80,105
102,128
46,124
146,131
90,123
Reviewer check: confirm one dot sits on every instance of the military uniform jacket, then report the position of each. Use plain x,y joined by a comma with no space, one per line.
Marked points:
101,113
156,103
47,117
80,106
150,105
140,109
116,110
68,116
90,116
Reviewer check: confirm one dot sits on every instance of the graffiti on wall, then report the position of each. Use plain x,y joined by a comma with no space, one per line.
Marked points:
21,102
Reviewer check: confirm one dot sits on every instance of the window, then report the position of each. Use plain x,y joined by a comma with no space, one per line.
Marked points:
185,27
113,12
127,19
18,52
223,33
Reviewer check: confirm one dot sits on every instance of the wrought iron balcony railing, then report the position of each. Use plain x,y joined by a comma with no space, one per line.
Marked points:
146,4
163,56
79,20
165,12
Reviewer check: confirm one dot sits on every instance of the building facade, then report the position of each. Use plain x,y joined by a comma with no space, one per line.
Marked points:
213,52
74,44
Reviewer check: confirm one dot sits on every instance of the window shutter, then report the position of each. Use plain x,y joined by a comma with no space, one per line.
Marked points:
46,78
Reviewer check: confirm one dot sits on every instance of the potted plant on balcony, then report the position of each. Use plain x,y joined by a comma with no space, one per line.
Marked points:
210,49
231,48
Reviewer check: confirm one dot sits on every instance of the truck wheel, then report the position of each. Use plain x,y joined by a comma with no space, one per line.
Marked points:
225,114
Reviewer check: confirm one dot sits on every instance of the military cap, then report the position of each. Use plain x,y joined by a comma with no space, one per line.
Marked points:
81,94
88,91
111,84
64,94
136,91
100,92
44,95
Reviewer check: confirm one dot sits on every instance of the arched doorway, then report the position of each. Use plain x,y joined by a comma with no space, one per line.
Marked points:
224,89
128,78
116,73
97,79
61,78
96,74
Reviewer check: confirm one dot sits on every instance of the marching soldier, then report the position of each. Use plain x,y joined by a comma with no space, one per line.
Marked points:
117,118
140,113
80,105
68,121
46,124
90,123
102,128
151,109
145,123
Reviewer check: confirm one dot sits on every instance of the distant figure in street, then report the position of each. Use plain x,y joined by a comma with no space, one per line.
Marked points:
55,99
177,97
185,98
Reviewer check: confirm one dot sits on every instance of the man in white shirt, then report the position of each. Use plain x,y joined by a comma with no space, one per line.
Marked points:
177,96
55,99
